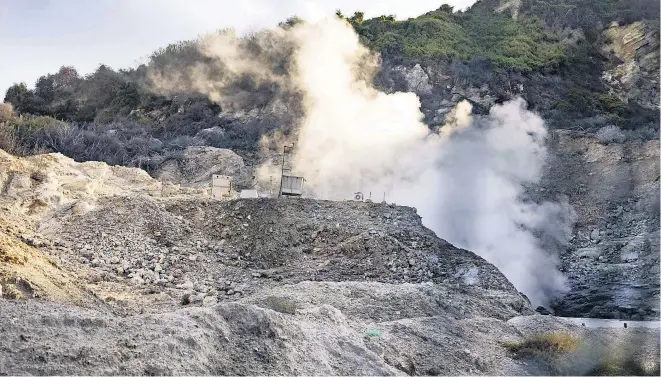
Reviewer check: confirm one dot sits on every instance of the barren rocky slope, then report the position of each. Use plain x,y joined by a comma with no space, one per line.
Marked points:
314,338
120,227
109,273
612,261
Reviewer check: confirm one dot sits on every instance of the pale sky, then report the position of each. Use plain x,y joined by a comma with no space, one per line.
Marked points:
39,36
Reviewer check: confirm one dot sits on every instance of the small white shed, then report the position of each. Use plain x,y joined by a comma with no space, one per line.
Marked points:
292,185
221,186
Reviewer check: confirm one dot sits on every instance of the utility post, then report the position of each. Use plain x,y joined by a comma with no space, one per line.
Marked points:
271,186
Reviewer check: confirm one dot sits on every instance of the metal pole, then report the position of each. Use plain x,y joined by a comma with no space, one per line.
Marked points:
282,170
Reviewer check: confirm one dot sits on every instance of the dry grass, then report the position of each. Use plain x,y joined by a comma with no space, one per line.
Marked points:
545,344
612,365
560,351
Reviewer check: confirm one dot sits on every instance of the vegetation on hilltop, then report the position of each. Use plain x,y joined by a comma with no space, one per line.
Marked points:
521,44
118,117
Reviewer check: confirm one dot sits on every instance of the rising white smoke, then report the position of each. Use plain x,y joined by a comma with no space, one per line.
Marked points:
467,181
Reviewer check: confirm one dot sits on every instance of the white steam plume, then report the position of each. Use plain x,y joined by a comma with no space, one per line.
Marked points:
467,181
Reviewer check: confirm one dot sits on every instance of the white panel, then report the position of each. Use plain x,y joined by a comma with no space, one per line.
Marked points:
292,185
248,194
221,180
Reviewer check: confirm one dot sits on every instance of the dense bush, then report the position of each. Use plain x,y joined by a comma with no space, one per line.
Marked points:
521,44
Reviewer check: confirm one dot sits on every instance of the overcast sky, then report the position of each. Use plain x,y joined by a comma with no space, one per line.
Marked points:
39,36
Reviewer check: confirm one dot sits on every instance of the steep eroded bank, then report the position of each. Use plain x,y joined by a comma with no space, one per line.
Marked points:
612,261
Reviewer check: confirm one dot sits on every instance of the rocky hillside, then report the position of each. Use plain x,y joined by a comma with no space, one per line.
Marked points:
103,265
581,65
195,165
109,273
613,258
123,228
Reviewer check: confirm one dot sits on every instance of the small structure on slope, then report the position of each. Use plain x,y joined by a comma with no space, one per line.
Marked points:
221,186
290,185
248,194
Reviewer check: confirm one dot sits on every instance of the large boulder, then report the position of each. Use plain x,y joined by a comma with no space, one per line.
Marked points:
196,164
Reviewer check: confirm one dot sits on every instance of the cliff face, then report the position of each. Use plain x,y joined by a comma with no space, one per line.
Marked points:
613,258
633,51
622,62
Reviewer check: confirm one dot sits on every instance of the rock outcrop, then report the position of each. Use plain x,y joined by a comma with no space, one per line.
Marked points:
634,52
613,259
195,166
42,183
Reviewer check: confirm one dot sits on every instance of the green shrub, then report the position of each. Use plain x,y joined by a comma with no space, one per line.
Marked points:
522,44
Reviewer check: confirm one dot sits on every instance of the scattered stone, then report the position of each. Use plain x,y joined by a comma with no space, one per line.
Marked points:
187,285
630,257
209,300
198,297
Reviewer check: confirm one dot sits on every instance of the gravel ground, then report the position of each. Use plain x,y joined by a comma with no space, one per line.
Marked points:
103,274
